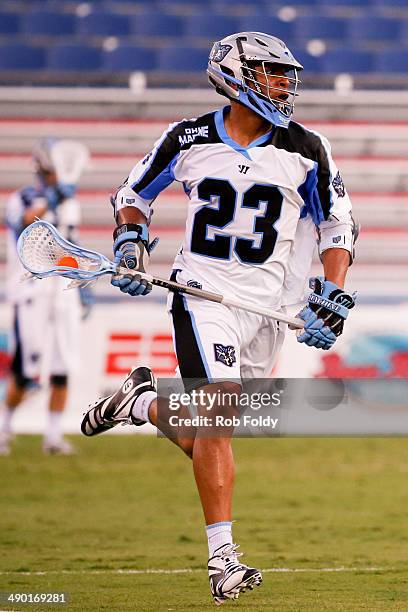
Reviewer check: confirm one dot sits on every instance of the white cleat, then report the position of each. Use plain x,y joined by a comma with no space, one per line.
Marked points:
5,443
107,412
62,447
228,577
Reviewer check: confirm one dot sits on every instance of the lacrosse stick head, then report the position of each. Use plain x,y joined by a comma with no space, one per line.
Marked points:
42,250
66,159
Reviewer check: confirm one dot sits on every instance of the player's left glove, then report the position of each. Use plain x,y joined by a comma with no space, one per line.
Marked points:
132,248
328,308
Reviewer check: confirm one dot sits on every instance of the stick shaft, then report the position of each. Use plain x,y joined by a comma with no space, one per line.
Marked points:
217,297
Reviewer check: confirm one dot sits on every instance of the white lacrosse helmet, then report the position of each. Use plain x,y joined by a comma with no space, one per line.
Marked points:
67,158
42,157
237,61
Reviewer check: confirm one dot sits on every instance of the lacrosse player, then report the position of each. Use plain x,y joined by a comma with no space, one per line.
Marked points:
46,318
261,189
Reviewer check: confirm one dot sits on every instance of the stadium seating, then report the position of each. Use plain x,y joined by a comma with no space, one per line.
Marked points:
207,26
182,58
266,23
347,60
371,27
392,60
153,23
128,57
345,3
48,23
101,23
364,29
74,57
310,63
9,23
319,27
16,56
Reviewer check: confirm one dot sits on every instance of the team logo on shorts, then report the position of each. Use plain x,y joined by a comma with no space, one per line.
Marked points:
338,185
225,354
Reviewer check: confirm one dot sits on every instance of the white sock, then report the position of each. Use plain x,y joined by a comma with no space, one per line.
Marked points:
7,418
54,430
140,409
218,534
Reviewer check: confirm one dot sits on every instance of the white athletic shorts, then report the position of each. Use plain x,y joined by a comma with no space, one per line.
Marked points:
214,342
46,331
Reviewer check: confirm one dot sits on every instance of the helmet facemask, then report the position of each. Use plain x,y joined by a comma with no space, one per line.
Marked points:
273,82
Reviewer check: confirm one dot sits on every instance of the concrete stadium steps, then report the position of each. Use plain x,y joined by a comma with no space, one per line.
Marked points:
107,171
375,246
137,137
371,209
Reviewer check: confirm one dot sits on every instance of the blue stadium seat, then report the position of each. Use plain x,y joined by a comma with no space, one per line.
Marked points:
157,24
14,56
390,3
345,3
9,23
309,62
310,27
48,23
366,28
101,23
74,57
392,60
182,58
267,24
347,60
127,58
208,25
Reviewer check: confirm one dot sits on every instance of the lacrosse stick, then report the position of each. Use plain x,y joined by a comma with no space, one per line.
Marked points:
70,158
44,252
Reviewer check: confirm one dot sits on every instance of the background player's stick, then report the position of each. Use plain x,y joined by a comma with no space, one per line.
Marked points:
44,252
70,158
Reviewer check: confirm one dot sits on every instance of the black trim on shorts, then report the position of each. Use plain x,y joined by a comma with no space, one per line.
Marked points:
59,380
17,362
192,367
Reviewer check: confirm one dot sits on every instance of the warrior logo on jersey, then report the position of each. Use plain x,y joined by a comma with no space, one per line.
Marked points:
338,185
225,354
219,52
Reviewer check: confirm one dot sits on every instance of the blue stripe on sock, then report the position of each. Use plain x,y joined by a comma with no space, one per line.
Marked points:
218,524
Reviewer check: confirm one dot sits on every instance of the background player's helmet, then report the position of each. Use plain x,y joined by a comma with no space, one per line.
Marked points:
42,156
231,70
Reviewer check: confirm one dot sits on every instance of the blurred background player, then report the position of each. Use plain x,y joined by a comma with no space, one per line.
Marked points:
46,318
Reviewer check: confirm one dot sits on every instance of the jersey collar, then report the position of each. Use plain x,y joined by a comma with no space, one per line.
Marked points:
222,133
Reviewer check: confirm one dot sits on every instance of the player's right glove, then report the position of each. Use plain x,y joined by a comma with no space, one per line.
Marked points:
131,249
325,314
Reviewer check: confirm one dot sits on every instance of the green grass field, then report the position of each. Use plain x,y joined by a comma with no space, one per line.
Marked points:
129,503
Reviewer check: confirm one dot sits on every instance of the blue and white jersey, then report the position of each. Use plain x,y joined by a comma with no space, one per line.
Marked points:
253,211
66,217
